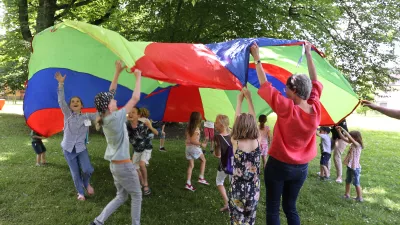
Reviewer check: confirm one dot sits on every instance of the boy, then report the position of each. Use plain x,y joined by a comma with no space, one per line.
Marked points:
39,148
160,126
325,146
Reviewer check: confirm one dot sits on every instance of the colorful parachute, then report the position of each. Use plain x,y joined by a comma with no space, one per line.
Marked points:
178,78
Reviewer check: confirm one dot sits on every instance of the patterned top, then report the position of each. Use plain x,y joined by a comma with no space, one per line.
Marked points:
140,136
74,126
352,159
263,137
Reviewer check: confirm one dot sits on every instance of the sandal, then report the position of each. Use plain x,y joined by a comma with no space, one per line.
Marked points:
146,192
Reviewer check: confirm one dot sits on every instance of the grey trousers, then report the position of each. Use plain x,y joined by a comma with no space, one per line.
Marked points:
126,181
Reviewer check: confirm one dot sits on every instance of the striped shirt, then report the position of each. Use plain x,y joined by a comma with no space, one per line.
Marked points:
74,127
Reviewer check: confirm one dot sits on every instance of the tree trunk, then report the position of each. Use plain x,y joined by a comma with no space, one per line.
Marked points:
23,18
46,14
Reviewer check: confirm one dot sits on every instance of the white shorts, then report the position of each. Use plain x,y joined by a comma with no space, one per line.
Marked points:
193,152
141,156
221,175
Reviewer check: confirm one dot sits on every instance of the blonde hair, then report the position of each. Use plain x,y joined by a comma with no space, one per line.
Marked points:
224,120
245,127
143,112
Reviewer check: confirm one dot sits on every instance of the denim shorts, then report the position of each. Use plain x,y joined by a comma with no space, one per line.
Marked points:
160,135
325,157
353,175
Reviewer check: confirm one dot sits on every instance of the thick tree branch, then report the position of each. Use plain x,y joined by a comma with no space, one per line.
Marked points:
106,16
73,4
23,18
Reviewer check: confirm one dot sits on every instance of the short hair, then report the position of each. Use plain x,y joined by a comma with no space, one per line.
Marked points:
325,129
245,127
300,84
70,100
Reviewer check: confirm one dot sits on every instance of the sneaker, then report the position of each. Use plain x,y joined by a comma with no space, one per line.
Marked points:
162,149
190,187
345,197
37,164
358,199
339,181
203,181
81,197
92,223
318,173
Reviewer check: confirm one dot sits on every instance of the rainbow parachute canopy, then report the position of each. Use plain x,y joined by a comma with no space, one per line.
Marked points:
178,78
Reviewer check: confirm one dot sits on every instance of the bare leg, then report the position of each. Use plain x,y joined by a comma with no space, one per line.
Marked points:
38,159
162,141
222,191
143,171
202,165
326,171
321,171
43,156
140,177
347,189
359,192
190,169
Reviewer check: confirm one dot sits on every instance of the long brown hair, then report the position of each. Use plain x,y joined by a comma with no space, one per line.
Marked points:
143,112
262,119
194,122
245,127
356,135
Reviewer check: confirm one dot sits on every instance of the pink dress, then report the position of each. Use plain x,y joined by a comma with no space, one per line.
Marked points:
263,139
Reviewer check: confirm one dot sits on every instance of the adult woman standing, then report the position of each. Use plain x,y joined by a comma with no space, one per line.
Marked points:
294,143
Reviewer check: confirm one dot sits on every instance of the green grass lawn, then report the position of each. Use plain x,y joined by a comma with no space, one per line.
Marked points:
46,195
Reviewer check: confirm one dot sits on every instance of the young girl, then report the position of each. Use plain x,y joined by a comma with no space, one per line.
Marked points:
352,161
193,150
76,127
112,121
222,143
140,132
265,137
244,192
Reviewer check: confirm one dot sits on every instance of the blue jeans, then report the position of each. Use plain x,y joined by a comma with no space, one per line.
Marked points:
286,180
77,162
353,175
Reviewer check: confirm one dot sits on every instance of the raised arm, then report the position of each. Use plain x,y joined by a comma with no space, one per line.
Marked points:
339,130
136,93
61,96
349,137
388,112
247,95
240,98
119,67
254,51
311,68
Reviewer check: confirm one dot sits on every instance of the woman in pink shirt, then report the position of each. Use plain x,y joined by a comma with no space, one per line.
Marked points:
294,142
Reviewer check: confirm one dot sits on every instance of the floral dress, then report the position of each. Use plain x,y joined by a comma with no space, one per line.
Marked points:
244,191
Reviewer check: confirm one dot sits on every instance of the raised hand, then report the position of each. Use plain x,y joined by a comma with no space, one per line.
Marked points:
137,73
60,78
368,104
119,66
307,46
254,50
246,93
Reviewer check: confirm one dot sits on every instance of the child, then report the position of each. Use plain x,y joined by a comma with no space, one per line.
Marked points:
325,146
140,133
112,121
160,126
222,144
76,128
39,148
352,161
265,137
244,192
193,150
209,134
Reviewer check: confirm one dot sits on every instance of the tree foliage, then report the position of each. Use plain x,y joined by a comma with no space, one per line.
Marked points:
357,36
